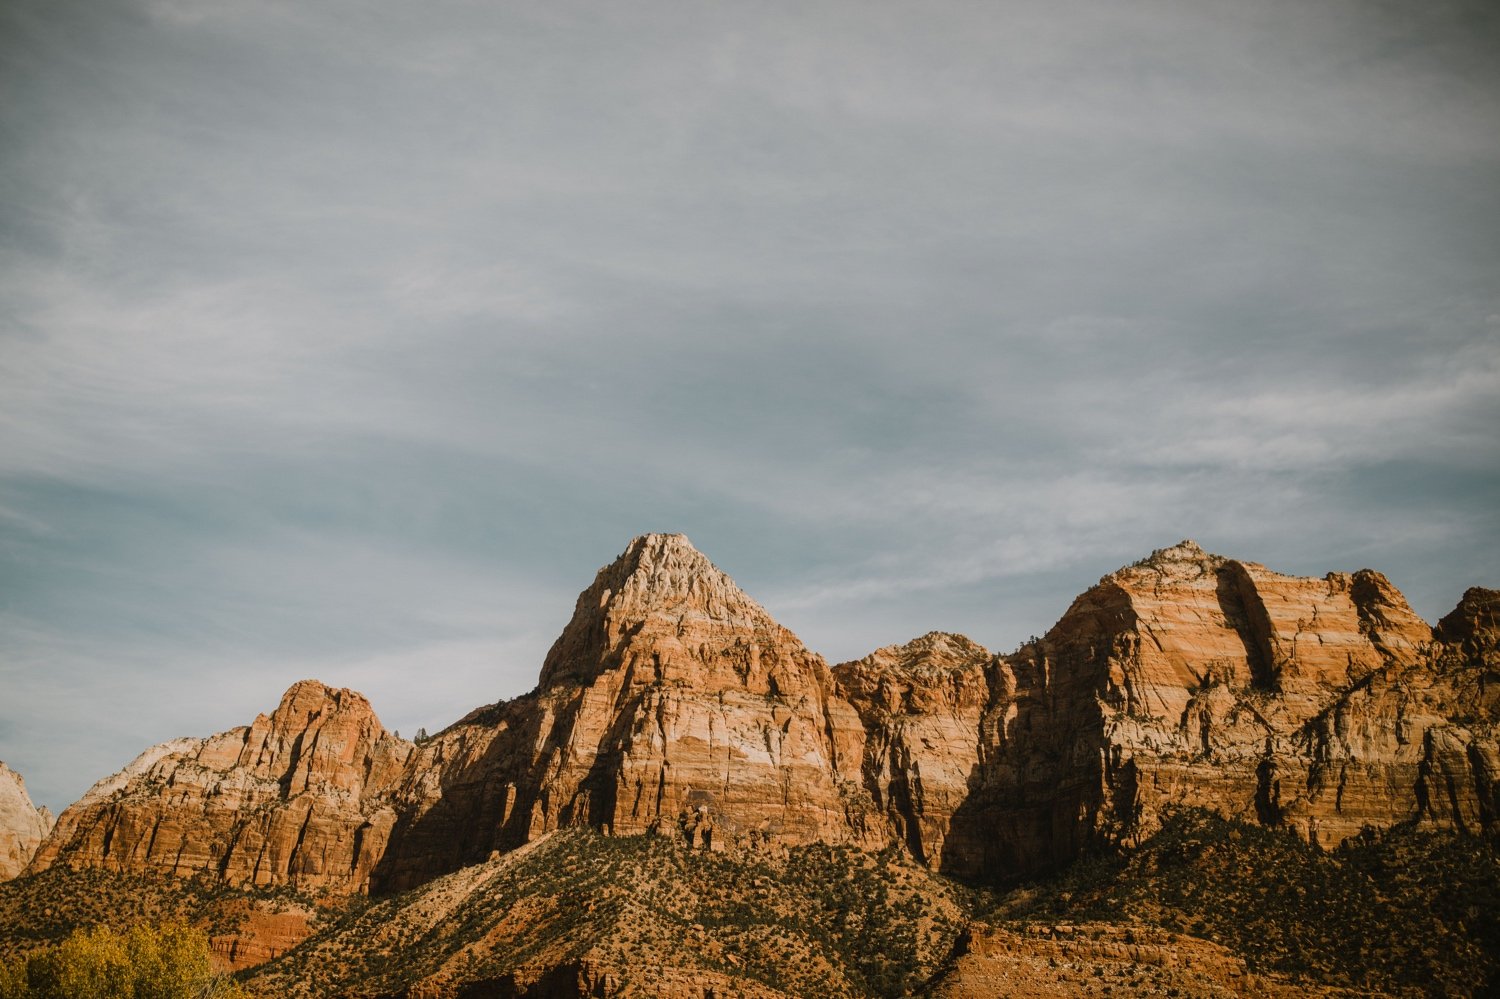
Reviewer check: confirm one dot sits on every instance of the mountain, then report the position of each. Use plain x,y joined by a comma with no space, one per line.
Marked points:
300,796
671,703
23,826
673,709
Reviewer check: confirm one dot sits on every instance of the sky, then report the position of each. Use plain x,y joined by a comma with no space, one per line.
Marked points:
348,340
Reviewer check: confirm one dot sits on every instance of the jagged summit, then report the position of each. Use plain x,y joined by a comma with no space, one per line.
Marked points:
297,796
1182,561
934,652
659,605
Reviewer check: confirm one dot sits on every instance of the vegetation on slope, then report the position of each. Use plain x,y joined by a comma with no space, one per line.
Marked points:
817,920
43,909
1406,912
169,961
1409,912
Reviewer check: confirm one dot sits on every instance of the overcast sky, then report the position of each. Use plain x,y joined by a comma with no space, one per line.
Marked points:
349,339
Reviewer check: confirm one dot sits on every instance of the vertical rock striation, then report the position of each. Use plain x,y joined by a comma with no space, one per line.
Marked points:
921,704
672,703
298,797
23,826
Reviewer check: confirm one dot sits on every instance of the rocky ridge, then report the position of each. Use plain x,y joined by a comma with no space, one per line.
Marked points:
298,797
673,704
23,825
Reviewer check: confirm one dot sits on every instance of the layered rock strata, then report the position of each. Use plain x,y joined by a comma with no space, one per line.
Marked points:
23,825
673,703
300,797
1222,684
922,704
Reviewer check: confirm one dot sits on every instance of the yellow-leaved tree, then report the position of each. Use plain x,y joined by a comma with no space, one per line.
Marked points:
171,961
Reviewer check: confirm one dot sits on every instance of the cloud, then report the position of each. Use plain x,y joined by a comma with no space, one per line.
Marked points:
350,339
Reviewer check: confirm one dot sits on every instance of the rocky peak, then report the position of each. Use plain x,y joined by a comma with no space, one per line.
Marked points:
23,826
662,612
936,651
317,736
1474,625
939,667
1385,616
1181,563
298,796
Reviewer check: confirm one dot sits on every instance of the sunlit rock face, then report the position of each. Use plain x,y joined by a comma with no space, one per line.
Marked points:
673,704
300,797
921,704
1275,698
23,826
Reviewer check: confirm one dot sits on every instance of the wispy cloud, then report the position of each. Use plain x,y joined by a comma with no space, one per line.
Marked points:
342,339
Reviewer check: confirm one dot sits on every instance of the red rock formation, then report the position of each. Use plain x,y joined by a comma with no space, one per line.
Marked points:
299,797
674,703
1222,684
23,826
1066,961
921,704
261,933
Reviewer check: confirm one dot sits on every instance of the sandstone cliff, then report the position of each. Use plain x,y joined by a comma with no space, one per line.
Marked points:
921,704
673,703
23,826
1319,703
298,797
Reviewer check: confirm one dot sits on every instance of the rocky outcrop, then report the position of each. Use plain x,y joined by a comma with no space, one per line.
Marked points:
921,704
1065,961
300,797
672,703
23,826
1316,703
1322,704
262,932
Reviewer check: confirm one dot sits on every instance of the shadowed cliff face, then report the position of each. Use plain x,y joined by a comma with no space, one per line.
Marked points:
672,703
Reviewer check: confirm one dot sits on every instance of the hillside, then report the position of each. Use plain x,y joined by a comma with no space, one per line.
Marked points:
642,916
245,927
1204,907
1409,912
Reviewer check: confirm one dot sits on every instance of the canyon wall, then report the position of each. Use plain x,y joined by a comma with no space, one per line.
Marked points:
674,704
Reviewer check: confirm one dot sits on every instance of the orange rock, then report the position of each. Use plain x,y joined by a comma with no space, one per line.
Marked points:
675,704
299,797
921,704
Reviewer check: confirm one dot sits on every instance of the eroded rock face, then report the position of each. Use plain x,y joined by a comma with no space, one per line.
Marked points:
1065,961
298,797
921,704
673,703
1318,703
23,826
1191,679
